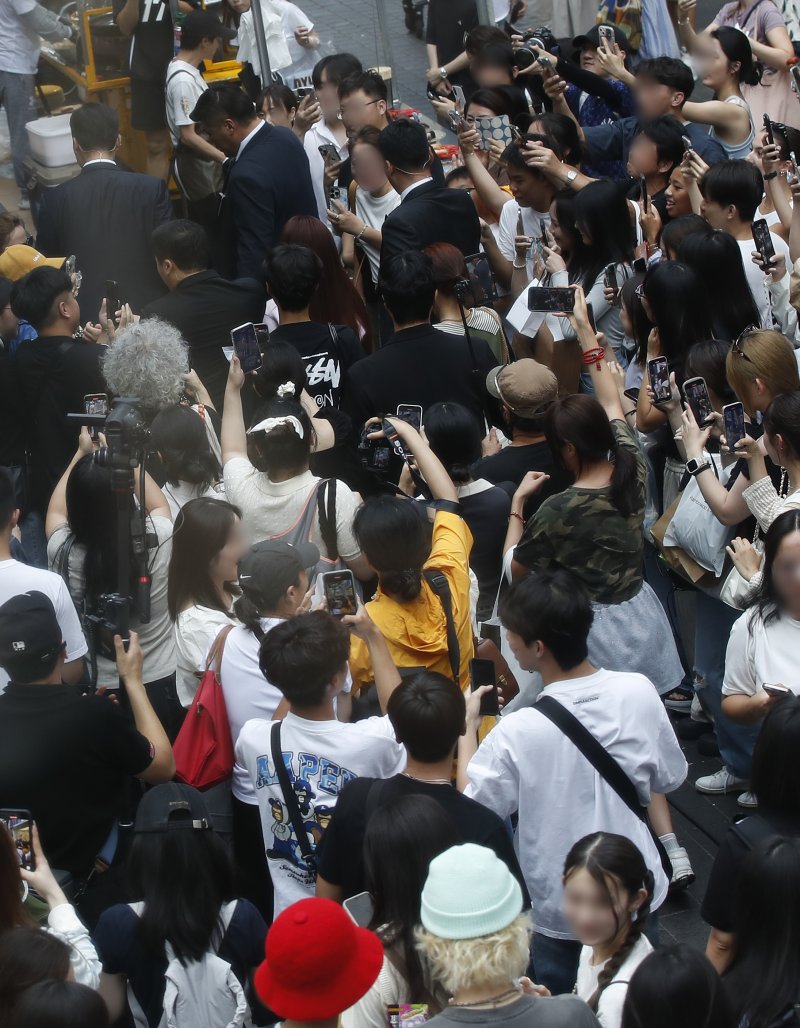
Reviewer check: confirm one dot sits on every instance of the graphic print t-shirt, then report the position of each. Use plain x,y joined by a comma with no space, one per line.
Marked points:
326,363
321,757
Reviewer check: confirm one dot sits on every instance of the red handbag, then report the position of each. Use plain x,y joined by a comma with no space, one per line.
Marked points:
203,750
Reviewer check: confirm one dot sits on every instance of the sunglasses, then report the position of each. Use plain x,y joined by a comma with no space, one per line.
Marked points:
736,345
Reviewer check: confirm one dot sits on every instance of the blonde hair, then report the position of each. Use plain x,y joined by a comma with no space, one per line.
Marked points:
458,964
769,356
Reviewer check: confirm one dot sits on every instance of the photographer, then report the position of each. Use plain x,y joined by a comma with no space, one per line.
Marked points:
399,543
82,533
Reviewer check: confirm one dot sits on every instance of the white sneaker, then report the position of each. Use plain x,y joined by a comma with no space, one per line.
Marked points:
720,783
682,873
697,713
748,799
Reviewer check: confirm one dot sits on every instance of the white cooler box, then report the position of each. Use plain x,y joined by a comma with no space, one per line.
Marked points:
51,141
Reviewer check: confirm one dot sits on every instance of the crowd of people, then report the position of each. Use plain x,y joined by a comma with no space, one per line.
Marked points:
376,523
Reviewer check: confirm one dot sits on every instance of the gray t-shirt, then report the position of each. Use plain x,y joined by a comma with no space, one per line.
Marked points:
525,1012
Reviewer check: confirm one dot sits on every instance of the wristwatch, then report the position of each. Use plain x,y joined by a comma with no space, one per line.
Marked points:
571,175
443,72
694,466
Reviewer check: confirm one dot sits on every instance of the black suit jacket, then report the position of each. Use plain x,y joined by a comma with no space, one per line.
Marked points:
432,214
106,217
418,365
267,185
204,308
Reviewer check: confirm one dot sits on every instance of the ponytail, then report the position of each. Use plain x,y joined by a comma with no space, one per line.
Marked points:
626,489
402,586
247,613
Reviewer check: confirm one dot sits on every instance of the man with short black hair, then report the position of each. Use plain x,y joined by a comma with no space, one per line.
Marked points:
105,216
202,305
428,213
418,364
306,658
525,764
268,183
655,152
328,351
428,713
54,373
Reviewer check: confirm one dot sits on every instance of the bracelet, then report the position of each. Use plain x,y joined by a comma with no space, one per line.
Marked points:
360,234
514,514
629,412
770,176
593,356
519,267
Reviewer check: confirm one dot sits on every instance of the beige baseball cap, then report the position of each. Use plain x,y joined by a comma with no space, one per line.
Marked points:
525,386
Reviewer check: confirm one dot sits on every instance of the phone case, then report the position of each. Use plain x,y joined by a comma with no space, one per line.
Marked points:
494,130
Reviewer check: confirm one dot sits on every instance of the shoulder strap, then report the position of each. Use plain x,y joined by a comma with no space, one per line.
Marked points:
332,331
603,763
326,511
217,649
438,582
749,14
290,799
175,72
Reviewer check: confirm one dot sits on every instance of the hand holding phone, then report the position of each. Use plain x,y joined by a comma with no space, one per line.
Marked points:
695,392
339,588
733,420
658,373
112,300
775,689
246,348
551,300
762,237
483,672
19,825
768,130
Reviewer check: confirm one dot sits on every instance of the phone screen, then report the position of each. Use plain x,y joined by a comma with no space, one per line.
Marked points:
552,301
697,397
483,284
411,413
340,592
19,825
658,370
245,346
262,335
482,672
763,239
95,404
733,420
112,299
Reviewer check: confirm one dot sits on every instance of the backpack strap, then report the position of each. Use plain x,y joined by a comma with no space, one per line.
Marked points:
326,512
290,799
603,763
438,582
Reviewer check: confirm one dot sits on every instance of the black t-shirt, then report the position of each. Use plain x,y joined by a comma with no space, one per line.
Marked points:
65,758
448,23
486,514
512,463
153,40
757,829
327,362
341,849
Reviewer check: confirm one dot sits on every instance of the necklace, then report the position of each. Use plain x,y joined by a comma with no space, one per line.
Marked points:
427,781
492,1001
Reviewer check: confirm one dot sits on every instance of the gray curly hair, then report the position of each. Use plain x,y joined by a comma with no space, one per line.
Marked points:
147,360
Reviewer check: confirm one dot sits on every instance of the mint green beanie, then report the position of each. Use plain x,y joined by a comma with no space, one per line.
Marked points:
469,892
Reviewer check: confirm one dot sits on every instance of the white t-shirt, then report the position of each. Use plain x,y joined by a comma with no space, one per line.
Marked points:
533,222
314,138
298,73
184,87
759,653
196,628
323,757
373,211
179,495
270,509
526,764
19,47
17,578
156,638
612,998
756,278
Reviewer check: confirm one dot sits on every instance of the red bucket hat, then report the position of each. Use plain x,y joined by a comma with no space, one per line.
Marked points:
318,962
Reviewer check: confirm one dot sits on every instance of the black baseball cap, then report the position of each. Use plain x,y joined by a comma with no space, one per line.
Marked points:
30,637
592,38
206,25
276,561
172,807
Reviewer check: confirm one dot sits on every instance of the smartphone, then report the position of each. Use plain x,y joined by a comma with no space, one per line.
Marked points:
303,91
461,100
774,689
695,392
687,144
456,121
552,301
432,94
768,129
733,419
494,129
795,168
410,413
658,372
336,194
19,825
795,73
520,225
329,152
262,335
360,909
643,192
112,299
633,395
483,284
545,62
70,264
763,240
610,282
339,588
482,672
590,315
245,346
607,37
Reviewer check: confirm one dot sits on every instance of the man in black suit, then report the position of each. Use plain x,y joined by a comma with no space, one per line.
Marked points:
202,305
428,213
418,364
267,183
105,216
